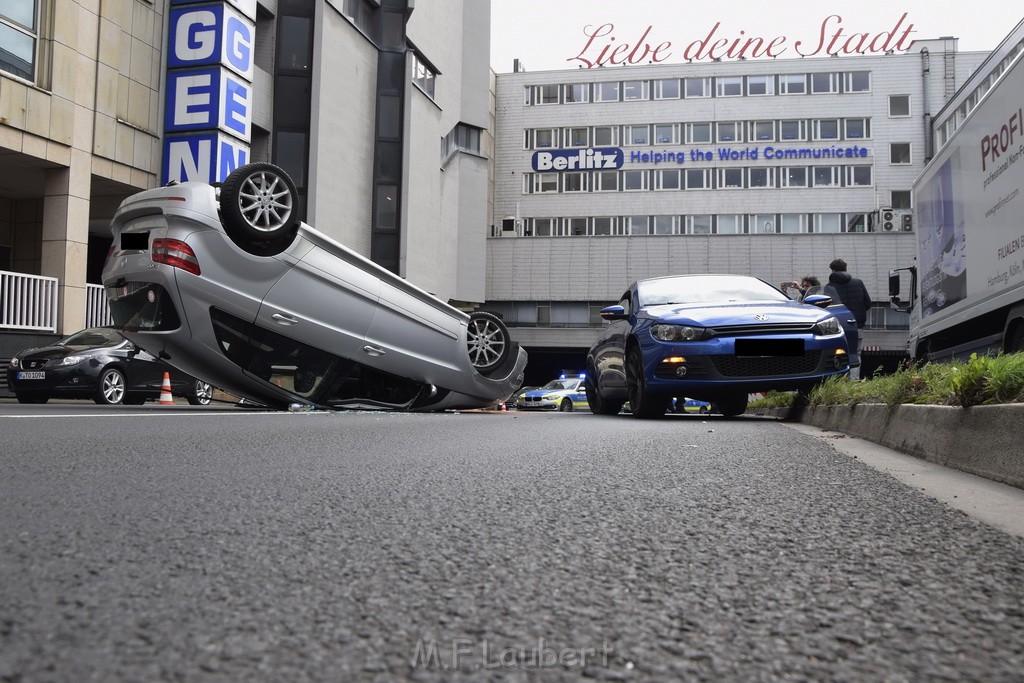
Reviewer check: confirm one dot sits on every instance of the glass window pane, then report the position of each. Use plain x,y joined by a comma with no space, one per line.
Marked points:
730,225
664,225
387,207
20,12
18,54
290,154
293,50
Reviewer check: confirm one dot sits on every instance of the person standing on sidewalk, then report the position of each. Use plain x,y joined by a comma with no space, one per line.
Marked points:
854,295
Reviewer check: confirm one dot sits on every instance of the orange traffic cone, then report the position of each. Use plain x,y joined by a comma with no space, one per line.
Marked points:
165,391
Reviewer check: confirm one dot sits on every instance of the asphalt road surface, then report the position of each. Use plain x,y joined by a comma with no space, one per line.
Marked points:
182,544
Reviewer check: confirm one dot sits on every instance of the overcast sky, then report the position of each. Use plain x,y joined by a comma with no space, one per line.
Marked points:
552,34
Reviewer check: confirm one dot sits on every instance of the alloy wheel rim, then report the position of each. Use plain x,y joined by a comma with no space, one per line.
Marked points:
486,343
113,387
265,201
204,392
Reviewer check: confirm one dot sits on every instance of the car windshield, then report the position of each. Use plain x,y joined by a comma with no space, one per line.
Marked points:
701,289
92,337
560,384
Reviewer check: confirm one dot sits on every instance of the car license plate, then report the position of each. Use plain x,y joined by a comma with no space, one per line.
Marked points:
39,374
769,347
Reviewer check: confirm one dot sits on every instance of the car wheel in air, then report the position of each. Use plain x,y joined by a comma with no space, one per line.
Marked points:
259,206
31,397
111,388
731,406
487,341
202,394
565,406
645,405
599,405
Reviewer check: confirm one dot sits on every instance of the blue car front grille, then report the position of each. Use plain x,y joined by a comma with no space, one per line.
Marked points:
758,328
767,366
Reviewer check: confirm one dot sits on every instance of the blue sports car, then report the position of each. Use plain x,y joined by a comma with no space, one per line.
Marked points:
715,338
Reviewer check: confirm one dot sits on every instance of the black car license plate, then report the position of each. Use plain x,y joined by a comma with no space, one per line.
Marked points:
769,347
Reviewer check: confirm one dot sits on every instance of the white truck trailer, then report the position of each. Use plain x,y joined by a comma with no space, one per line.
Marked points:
967,288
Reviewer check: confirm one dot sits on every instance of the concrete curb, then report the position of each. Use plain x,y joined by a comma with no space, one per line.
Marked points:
982,440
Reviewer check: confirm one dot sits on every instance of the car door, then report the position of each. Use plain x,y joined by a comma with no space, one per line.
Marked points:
326,300
610,352
145,372
412,337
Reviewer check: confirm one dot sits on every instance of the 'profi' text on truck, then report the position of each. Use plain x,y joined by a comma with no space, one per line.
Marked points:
967,290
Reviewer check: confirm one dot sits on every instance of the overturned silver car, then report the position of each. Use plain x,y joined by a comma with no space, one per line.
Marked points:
228,285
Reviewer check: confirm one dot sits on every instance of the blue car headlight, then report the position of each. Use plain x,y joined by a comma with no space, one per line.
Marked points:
828,326
673,333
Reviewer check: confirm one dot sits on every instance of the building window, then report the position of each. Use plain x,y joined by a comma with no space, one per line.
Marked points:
697,87
828,222
729,131
542,182
857,81
698,178
856,222
826,129
18,38
792,223
606,92
900,199
730,224
576,226
666,225
698,224
545,137
823,83
637,225
634,180
577,92
697,133
423,76
899,105
667,89
574,182
762,131
794,176
605,136
730,178
606,181
577,137
729,86
793,84
604,225
793,130
666,179
636,135
760,85
543,227
763,223
825,176
547,94
360,13
858,176
666,133
760,177
463,138
855,129
899,153
635,90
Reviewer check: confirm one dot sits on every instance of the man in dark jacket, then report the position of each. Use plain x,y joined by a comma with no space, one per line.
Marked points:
854,295
851,290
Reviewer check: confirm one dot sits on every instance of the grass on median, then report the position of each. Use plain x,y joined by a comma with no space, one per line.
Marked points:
981,380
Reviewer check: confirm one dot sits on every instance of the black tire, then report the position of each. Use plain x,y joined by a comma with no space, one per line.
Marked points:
111,388
704,410
487,341
31,397
1015,343
565,406
259,206
599,405
731,406
202,394
646,406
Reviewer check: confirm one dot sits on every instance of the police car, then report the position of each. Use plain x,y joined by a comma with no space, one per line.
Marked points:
564,394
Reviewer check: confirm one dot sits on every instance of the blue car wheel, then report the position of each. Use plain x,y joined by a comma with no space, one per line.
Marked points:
645,405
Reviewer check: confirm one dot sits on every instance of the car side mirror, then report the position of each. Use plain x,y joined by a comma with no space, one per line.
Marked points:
613,313
895,303
819,300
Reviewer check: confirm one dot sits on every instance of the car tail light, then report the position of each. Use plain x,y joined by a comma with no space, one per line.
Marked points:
176,254
110,252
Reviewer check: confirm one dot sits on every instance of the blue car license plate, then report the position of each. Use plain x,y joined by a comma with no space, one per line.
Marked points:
769,347
36,374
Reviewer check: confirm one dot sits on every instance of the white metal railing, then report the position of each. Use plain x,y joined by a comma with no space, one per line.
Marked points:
28,302
97,310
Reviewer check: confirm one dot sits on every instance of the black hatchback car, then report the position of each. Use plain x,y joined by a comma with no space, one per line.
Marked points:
100,364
